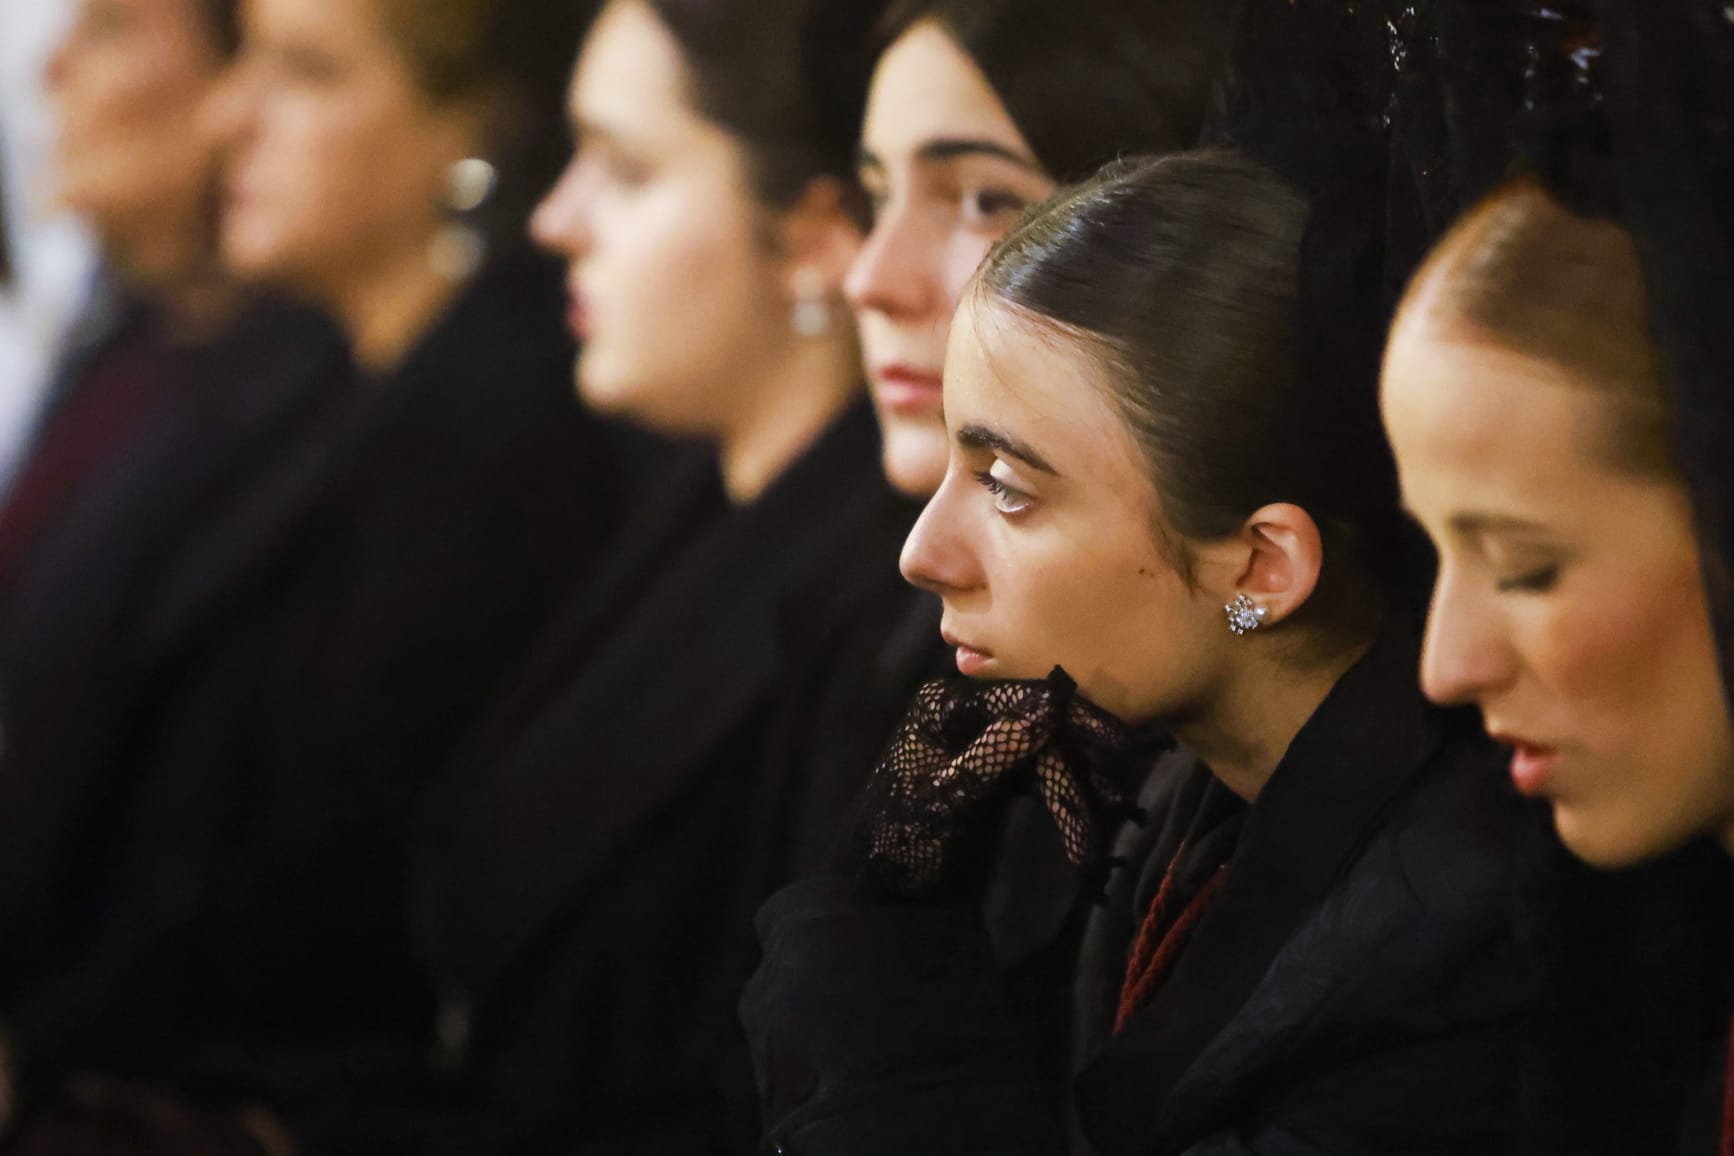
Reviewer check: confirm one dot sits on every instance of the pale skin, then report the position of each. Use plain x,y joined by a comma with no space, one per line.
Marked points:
337,169
682,282
125,82
949,173
1569,605
1042,542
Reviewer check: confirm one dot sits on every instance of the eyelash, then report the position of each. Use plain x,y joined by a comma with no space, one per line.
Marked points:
1019,502
1533,582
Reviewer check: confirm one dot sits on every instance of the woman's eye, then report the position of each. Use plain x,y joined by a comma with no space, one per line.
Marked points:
615,167
993,207
1537,581
1005,499
311,68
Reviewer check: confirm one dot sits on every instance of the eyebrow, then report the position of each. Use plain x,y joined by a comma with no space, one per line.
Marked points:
942,149
980,437
1482,523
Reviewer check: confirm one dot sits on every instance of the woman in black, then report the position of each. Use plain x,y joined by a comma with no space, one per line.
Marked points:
230,900
1306,948
682,744
145,423
1581,515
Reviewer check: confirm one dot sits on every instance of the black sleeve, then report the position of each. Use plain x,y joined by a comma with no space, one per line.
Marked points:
884,1026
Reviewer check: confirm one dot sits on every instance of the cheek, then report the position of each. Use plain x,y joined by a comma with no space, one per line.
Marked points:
1615,653
676,291
331,177
1104,616
1633,668
124,127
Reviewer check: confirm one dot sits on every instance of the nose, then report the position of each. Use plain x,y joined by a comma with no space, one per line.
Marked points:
1466,656
938,556
896,271
560,223
226,111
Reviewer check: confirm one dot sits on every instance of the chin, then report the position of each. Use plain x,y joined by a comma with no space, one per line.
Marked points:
914,459
599,391
1610,845
250,252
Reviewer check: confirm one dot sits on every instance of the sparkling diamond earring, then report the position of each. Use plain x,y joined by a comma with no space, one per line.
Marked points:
1245,615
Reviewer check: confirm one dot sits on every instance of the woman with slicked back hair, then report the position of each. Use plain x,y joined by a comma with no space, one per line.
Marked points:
1300,940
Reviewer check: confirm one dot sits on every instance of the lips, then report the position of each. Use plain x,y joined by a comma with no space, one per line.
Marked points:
1532,764
972,662
908,390
577,313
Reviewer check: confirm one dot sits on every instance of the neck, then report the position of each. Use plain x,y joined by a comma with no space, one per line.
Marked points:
387,310
177,269
793,402
1254,720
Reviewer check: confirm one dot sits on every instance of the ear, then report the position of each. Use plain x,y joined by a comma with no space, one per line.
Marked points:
1284,554
820,240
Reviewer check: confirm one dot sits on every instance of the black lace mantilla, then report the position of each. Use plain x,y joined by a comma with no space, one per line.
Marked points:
967,747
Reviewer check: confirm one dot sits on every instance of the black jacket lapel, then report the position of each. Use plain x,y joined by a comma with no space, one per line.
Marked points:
1364,743
689,666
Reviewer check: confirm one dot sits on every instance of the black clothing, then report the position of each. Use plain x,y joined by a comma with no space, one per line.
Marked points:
685,744
83,566
1353,987
233,801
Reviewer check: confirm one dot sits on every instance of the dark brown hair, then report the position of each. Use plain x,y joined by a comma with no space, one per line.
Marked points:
1524,272
787,78
1088,81
1178,276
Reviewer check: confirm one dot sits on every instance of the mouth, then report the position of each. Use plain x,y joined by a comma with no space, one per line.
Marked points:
972,661
577,313
908,391
1532,763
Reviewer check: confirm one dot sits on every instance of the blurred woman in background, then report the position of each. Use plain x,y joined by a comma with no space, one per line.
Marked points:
177,378
176,385
978,110
339,621
688,739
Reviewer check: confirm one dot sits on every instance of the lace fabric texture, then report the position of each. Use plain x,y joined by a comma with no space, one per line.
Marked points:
966,748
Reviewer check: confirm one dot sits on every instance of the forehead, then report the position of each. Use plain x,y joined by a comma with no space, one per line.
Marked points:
630,74
927,88
1474,425
332,25
1007,371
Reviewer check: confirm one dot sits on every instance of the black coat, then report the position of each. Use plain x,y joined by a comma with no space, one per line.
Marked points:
66,599
244,769
1353,988
688,743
